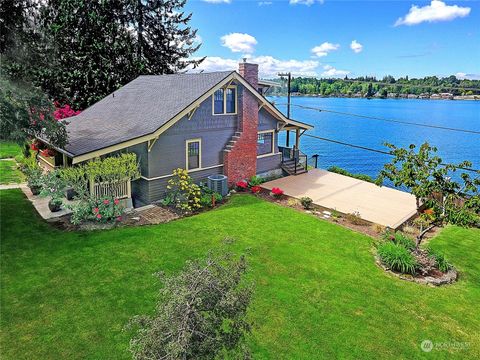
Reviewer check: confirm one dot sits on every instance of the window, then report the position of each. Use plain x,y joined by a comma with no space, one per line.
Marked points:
265,143
193,154
218,102
230,101
225,101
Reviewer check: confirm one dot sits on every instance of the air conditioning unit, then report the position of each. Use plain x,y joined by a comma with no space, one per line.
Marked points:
218,183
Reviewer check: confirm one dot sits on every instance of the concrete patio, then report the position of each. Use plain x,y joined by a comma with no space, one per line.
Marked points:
380,205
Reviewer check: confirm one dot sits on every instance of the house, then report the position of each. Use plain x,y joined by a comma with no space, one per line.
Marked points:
207,123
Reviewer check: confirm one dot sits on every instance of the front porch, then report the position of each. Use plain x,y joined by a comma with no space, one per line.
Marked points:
380,205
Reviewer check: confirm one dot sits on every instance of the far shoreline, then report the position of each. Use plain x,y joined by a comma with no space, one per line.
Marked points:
413,97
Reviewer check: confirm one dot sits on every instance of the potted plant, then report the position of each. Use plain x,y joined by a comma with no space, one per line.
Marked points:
34,174
53,186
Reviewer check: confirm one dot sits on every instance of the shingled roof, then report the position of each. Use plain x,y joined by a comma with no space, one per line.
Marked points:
139,108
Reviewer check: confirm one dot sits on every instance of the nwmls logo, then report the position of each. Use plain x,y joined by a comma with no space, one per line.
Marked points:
429,345
426,345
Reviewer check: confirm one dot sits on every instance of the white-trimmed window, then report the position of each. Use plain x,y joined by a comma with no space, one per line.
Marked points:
265,142
224,101
193,154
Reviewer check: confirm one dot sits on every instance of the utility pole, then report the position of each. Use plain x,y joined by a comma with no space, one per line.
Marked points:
289,76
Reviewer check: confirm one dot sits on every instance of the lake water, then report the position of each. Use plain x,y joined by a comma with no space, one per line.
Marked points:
452,146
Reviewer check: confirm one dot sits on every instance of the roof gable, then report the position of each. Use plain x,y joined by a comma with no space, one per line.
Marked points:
137,109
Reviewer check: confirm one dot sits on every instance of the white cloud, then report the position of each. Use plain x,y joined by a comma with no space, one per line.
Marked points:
436,11
238,42
264,3
324,49
268,65
356,46
305,2
465,76
330,71
218,1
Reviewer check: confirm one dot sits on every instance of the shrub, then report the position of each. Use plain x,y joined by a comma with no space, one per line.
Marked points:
256,189
185,193
306,202
76,178
241,185
379,229
276,192
206,199
440,261
255,181
200,313
397,258
355,218
292,202
400,239
103,210
339,170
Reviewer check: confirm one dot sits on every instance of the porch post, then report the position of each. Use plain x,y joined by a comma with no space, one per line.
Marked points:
297,138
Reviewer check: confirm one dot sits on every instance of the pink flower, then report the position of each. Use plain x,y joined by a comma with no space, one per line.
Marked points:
95,210
106,202
116,201
119,218
99,216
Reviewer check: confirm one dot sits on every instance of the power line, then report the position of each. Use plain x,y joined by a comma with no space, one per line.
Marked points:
387,120
373,150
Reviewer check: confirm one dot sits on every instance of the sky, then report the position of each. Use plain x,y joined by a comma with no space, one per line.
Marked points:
334,38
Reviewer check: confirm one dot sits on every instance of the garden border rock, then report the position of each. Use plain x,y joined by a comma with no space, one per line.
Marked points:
447,278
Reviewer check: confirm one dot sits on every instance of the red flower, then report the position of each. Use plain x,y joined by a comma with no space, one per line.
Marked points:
34,147
47,153
116,201
119,218
99,216
95,210
106,202
241,185
277,191
256,189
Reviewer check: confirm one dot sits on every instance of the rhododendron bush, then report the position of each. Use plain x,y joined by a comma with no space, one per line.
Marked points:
63,112
276,192
241,185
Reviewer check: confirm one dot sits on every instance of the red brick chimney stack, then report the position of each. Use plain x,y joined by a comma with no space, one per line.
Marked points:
240,161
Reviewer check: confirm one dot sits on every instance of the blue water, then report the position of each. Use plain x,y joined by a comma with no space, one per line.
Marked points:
452,146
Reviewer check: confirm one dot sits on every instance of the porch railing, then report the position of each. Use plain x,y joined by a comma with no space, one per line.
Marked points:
294,159
120,190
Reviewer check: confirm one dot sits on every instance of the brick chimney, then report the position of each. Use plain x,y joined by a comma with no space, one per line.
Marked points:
249,72
240,160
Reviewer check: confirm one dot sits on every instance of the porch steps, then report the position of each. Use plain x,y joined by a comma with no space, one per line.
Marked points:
233,140
289,167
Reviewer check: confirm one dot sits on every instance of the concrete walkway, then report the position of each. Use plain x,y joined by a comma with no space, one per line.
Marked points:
380,205
41,205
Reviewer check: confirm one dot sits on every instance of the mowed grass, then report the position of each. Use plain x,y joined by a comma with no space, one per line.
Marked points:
318,292
9,172
9,149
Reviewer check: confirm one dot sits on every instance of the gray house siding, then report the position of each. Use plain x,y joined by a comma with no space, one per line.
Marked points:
169,151
268,164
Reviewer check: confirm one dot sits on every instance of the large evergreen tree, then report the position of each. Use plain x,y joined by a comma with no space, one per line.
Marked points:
79,51
94,50
164,39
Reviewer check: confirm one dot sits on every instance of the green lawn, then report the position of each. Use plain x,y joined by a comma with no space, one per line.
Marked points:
9,149
318,291
9,174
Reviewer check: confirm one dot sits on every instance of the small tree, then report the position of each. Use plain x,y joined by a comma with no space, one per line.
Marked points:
200,314
425,175
27,113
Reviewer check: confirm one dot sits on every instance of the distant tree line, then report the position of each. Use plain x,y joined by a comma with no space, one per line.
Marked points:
371,86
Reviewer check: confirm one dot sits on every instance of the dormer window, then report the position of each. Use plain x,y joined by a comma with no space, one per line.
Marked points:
225,101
